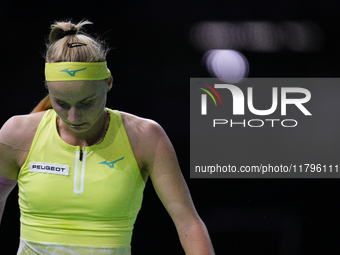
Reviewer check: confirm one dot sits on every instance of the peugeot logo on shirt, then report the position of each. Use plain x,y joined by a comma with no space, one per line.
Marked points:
41,167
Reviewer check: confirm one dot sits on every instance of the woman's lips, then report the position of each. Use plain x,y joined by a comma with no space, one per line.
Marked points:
77,125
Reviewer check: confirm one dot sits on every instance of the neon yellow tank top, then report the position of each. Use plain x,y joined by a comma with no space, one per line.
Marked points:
93,201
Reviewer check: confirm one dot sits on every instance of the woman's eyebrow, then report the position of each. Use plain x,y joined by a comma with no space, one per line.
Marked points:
86,98
89,97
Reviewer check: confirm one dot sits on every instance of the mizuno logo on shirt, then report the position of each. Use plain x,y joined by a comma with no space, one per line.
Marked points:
72,73
40,167
111,164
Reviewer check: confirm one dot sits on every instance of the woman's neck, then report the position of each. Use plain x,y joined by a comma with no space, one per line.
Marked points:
93,136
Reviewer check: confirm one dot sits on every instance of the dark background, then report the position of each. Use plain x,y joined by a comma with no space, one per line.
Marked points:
152,63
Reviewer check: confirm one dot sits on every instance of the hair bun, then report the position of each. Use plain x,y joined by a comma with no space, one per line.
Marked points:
65,28
58,33
65,35
70,32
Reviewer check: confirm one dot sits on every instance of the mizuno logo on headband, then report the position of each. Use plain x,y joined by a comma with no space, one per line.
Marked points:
72,73
76,71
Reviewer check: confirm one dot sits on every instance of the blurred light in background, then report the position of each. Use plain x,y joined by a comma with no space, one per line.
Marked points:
257,36
228,65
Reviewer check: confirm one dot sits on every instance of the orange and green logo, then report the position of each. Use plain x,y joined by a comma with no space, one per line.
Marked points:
204,97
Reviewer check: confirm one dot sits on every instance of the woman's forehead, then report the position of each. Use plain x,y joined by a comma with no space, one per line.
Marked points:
65,90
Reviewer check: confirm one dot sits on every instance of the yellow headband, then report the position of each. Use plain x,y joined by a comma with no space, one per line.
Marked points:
76,71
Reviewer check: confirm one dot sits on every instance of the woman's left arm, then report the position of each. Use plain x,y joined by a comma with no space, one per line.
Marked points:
162,165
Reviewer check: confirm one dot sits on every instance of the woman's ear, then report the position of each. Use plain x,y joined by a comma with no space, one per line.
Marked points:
109,83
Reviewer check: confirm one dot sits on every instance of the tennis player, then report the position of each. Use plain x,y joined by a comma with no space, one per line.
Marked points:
81,168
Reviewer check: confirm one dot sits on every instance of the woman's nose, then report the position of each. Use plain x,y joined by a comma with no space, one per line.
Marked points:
74,115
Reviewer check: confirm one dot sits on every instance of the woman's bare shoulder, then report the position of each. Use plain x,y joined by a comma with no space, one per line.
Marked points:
18,131
142,127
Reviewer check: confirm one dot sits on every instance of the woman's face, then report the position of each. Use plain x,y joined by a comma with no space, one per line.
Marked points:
79,104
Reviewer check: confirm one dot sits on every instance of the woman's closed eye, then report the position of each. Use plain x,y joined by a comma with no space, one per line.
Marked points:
86,104
63,105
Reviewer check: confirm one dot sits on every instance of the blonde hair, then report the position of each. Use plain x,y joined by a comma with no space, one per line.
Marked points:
68,43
